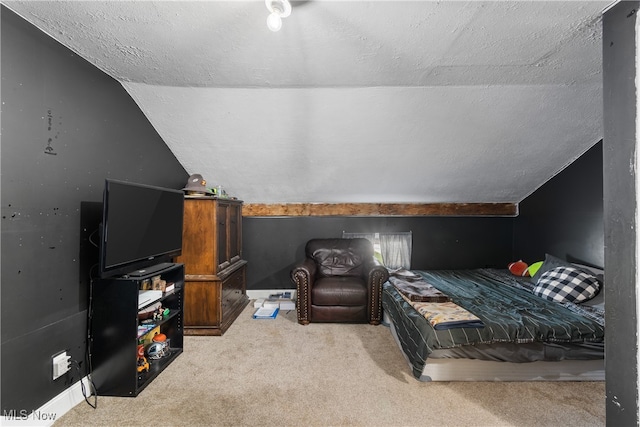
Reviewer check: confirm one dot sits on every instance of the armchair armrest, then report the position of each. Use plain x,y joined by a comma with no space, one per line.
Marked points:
375,275
302,276
374,272
304,268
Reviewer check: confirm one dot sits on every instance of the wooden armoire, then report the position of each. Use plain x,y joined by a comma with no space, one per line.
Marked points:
215,274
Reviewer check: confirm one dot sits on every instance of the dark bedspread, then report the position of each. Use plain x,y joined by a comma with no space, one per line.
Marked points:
509,313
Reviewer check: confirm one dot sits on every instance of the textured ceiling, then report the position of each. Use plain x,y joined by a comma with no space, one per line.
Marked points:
354,101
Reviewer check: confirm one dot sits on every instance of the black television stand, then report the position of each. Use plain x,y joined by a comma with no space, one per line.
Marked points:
150,270
121,332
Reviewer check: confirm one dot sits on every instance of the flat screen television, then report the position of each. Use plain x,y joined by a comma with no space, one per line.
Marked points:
141,227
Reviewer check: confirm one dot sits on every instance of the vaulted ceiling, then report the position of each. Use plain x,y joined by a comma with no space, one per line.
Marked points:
353,101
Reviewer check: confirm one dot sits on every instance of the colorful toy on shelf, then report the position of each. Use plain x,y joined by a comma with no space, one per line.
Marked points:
159,313
157,350
159,338
143,365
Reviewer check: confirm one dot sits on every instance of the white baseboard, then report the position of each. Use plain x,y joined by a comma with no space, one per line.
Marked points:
264,293
51,411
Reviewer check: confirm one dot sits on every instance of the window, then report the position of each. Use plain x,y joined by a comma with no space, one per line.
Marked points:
392,249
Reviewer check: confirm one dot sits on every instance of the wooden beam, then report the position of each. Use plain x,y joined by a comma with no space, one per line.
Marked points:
379,209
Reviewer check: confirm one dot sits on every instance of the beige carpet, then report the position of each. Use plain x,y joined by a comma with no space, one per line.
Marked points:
279,373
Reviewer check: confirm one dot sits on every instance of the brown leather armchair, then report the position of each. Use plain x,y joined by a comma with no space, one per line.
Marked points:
339,281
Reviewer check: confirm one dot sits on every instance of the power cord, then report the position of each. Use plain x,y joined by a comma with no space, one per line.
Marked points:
92,386
93,390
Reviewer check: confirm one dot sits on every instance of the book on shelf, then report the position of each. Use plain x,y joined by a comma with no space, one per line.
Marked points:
144,329
266,313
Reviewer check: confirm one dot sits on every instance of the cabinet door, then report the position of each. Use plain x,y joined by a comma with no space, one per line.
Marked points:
201,303
199,244
233,295
222,213
235,232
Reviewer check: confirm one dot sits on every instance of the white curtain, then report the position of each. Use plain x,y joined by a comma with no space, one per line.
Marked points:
394,248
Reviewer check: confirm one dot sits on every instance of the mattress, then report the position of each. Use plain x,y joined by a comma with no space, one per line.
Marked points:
519,327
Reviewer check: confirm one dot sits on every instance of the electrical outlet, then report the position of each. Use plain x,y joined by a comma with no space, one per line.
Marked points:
61,364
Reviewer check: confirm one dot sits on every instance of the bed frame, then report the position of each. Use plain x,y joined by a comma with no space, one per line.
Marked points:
449,369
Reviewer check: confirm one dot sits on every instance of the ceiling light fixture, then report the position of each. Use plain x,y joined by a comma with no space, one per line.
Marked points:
279,9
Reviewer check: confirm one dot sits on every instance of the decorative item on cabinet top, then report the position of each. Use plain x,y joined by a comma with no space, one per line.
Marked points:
197,188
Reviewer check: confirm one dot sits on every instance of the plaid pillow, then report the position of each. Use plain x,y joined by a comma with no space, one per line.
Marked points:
567,284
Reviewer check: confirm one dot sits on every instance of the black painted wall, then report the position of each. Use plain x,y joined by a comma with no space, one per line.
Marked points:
66,126
273,245
564,217
620,204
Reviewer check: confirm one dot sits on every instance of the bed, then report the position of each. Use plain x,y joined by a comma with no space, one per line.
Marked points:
512,333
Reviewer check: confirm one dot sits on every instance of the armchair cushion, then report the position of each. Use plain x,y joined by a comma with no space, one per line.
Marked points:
339,291
339,257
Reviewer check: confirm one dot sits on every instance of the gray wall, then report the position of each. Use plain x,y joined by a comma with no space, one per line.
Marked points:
620,204
66,126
